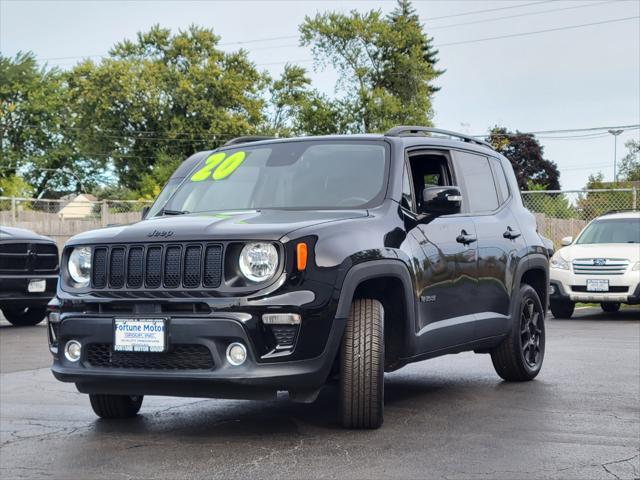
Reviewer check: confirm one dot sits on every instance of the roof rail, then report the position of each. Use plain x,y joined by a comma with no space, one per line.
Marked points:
413,130
247,139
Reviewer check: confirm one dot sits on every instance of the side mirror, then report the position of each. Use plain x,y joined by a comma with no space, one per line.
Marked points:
566,241
441,200
145,211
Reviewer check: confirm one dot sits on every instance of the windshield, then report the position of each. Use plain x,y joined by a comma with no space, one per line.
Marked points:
619,230
297,175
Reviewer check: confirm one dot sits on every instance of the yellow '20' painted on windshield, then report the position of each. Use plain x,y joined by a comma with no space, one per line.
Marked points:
218,169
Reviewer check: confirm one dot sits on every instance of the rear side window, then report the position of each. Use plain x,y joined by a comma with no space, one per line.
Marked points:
474,172
501,180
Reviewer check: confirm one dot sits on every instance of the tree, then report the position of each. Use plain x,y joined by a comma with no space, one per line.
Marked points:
37,132
630,163
157,99
386,65
527,158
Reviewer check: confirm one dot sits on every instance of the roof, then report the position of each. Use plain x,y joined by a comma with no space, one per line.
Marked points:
623,214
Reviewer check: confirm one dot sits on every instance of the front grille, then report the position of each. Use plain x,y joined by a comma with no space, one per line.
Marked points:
180,357
600,266
583,288
20,258
285,335
157,266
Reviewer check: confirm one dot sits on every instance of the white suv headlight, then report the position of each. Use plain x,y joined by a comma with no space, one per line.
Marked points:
558,262
258,261
79,266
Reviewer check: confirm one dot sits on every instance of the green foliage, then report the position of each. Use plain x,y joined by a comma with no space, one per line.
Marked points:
527,158
37,129
630,163
386,66
594,204
14,186
158,99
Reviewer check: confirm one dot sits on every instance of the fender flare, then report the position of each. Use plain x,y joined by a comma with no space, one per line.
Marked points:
379,269
533,261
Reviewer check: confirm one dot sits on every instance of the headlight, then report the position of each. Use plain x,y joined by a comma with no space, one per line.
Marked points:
79,266
258,261
558,262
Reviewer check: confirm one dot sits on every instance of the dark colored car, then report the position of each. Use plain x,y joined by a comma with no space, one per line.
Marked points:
278,265
28,275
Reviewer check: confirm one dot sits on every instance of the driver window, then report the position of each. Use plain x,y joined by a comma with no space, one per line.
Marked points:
428,170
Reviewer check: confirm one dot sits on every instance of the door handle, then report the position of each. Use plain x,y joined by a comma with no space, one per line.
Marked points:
465,238
511,234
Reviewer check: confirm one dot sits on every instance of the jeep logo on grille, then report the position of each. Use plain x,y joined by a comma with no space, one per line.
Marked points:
160,233
599,262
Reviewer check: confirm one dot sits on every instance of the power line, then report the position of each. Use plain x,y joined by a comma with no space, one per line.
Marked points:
476,12
535,32
289,37
518,15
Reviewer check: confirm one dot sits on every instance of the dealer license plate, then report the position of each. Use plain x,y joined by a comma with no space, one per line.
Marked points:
597,285
140,334
37,286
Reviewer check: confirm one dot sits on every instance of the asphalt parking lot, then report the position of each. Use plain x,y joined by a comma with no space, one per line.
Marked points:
449,418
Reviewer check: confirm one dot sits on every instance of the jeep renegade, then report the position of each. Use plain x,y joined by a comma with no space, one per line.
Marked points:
278,264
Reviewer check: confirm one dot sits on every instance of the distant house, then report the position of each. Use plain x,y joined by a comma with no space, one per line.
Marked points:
78,206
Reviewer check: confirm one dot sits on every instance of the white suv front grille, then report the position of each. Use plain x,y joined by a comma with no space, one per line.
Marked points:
600,266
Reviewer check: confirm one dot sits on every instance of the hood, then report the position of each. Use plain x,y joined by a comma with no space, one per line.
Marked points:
237,225
21,234
629,251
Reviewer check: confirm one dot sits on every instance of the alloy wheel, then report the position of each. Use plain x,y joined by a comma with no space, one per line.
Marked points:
531,333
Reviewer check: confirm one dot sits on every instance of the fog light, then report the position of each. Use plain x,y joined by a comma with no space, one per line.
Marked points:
54,317
72,350
236,354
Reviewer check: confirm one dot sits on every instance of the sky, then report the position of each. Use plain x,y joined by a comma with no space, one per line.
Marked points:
568,77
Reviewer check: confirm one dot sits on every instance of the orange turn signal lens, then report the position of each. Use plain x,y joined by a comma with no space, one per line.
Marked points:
301,256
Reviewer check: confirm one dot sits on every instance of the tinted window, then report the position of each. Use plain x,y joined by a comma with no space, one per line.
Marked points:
480,190
503,188
298,175
619,230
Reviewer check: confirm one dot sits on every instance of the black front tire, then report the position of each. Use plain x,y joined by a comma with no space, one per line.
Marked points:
24,316
362,366
562,309
519,357
610,307
116,406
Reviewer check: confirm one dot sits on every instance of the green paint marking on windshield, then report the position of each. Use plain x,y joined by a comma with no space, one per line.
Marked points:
229,166
210,163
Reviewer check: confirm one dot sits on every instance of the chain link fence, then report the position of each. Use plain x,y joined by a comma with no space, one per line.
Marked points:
62,219
564,213
559,213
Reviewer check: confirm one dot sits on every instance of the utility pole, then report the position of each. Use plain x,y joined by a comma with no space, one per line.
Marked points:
615,134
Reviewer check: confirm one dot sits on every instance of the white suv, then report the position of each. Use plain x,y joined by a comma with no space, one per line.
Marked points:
601,265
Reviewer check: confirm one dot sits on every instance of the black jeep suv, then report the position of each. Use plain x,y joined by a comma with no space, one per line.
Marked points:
28,275
273,265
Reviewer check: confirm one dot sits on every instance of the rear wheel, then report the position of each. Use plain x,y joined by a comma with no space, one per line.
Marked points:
519,357
362,366
562,309
610,307
116,406
24,316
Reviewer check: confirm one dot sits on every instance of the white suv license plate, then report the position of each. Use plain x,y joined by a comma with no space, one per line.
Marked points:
37,286
140,334
597,285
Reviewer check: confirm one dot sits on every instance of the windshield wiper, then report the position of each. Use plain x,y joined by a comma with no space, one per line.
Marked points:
173,212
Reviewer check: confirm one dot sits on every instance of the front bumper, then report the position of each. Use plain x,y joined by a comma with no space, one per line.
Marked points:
14,290
567,286
253,379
